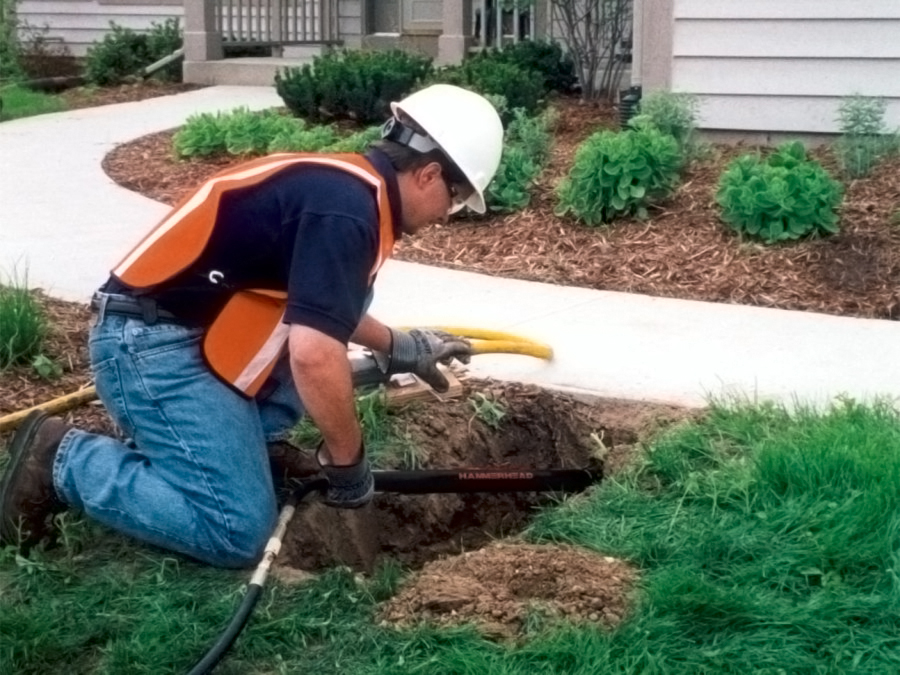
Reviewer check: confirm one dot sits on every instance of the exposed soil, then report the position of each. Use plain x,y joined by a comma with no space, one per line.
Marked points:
506,586
540,430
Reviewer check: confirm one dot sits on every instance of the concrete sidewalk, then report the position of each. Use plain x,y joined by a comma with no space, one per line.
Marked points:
66,223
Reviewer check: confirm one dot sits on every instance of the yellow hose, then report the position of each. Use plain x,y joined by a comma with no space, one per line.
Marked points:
512,347
486,341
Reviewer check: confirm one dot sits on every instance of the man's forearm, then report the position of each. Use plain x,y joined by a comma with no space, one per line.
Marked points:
322,376
373,334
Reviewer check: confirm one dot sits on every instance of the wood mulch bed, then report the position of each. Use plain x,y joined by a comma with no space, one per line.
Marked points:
683,251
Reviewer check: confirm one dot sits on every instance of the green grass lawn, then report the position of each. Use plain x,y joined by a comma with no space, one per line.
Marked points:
767,543
21,102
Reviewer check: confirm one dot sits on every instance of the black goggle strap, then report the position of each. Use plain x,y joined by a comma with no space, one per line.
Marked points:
394,130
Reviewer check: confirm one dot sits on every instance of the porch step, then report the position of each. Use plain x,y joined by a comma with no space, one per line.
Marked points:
256,71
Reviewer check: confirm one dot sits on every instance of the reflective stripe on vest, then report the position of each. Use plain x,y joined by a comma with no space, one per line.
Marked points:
248,335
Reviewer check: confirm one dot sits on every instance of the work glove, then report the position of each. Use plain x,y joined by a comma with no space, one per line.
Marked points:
349,487
420,350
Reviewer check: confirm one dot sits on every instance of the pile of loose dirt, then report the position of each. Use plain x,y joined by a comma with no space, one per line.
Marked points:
503,587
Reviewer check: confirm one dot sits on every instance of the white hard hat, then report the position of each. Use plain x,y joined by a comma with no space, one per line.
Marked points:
465,126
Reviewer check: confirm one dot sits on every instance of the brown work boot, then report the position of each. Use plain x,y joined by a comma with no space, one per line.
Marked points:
27,496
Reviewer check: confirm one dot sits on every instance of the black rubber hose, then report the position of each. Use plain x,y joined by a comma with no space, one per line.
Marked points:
254,590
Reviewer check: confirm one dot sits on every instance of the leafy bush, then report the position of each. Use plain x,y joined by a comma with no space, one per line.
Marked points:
242,132
23,325
351,84
545,57
10,48
619,174
865,138
525,150
671,113
786,196
521,87
123,53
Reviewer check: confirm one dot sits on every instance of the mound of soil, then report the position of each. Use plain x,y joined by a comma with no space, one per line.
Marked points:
506,587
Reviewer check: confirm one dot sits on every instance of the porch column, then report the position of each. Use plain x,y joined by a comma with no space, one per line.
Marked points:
202,42
454,42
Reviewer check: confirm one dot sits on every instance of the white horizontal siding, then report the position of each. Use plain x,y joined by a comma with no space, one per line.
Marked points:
793,114
784,65
792,38
80,24
788,9
797,77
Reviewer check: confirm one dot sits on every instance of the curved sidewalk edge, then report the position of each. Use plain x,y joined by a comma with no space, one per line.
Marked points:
65,223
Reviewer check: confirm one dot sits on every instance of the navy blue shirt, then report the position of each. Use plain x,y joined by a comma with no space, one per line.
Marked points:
308,229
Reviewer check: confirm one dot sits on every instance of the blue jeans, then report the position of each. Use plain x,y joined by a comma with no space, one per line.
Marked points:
194,476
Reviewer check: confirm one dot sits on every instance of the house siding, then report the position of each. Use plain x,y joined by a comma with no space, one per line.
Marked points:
775,66
80,23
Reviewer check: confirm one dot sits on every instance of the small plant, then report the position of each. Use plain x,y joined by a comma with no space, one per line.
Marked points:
671,113
865,138
351,84
487,409
526,147
46,368
23,325
244,132
617,174
123,53
784,197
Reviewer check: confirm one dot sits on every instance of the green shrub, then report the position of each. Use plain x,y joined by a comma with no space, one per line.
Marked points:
671,113
783,197
163,39
351,84
358,142
23,325
525,150
521,87
123,53
542,56
243,132
865,138
619,174
10,47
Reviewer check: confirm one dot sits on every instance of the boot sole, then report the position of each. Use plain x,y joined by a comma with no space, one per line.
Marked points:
9,531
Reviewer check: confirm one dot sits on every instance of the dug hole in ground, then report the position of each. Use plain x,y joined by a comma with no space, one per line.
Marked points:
467,563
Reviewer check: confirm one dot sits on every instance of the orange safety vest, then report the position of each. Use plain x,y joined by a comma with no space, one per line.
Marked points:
247,337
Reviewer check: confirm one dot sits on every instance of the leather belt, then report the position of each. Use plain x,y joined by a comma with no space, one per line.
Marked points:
140,307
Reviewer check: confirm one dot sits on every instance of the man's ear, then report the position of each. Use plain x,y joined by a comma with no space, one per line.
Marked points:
429,173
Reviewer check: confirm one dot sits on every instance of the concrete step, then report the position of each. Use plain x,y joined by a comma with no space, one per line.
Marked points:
256,71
